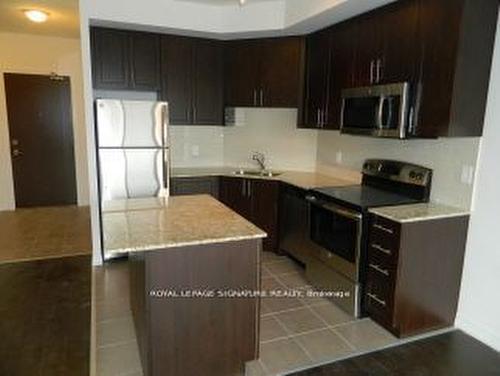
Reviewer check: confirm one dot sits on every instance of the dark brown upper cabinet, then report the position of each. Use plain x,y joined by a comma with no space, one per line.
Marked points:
456,41
386,44
317,76
263,72
342,71
193,80
124,60
110,59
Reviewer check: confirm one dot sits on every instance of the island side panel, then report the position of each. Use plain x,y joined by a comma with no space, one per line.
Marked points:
209,336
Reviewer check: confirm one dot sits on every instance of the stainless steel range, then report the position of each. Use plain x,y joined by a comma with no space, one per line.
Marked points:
339,223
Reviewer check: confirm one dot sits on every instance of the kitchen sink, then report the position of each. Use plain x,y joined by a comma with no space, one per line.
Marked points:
266,173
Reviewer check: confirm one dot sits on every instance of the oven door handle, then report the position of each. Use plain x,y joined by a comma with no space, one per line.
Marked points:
335,208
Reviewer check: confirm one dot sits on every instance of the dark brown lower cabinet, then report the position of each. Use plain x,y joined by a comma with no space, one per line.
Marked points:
257,200
191,336
195,186
414,271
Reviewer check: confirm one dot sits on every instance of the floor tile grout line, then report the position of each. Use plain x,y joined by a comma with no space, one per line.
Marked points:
336,332
295,308
291,335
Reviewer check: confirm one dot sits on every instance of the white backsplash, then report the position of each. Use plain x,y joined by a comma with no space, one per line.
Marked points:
197,146
452,159
272,132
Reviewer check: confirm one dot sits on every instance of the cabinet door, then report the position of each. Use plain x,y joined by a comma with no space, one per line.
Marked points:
110,59
368,45
145,61
265,203
400,52
317,75
342,71
280,73
439,25
235,193
208,81
176,67
241,68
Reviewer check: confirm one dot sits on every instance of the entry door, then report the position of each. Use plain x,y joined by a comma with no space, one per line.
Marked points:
41,139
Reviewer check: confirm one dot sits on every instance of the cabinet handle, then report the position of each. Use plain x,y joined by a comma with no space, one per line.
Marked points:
379,269
194,114
372,65
379,70
377,299
243,187
381,249
249,189
383,228
318,118
261,97
255,97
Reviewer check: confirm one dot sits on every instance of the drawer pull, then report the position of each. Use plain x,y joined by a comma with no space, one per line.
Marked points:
377,299
381,249
383,228
379,269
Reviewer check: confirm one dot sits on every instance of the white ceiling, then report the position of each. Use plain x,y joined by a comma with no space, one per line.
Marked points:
63,20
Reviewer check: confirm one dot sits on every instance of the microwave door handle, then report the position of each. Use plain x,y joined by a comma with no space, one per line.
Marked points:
380,116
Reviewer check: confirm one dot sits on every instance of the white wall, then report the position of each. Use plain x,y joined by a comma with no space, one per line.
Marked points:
26,53
446,157
273,132
479,309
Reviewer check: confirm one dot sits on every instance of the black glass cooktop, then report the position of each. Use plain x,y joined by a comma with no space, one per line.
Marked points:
364,197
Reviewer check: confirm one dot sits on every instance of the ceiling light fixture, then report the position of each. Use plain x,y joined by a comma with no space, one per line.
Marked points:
35,15
242,2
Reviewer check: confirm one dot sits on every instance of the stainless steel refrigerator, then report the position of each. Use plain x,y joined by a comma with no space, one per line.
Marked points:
133,149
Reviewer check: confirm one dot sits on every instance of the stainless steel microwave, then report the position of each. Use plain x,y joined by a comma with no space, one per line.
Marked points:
379,111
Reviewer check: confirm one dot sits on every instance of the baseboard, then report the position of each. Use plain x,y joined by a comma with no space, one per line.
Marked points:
479,331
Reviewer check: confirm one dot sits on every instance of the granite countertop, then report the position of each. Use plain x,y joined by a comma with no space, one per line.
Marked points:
138,225
418,212
304,180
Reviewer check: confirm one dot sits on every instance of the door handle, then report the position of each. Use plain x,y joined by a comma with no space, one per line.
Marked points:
379,70
255,97
261,97
17,153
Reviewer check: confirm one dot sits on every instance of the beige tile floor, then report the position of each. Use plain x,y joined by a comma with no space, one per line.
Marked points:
27,234
295,333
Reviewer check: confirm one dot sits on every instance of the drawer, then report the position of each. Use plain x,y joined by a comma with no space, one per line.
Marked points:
385,229
387,256
379,297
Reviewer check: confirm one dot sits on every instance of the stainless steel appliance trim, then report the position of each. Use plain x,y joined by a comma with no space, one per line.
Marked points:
379,269
348,269
383,228
381,249
377,299
398,89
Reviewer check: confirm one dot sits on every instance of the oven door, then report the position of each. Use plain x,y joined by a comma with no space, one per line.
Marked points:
337,231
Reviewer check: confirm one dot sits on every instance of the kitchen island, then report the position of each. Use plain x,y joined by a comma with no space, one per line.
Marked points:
187,256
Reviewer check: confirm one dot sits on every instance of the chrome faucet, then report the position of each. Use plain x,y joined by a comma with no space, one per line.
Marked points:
260,158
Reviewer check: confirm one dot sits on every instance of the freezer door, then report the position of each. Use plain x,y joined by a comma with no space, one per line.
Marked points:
131,124
133,173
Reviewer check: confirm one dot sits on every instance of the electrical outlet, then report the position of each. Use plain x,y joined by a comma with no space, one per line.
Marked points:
467,176
338,157
195,151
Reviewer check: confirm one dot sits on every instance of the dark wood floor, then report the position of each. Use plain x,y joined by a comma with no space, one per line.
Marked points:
451,354
45,317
